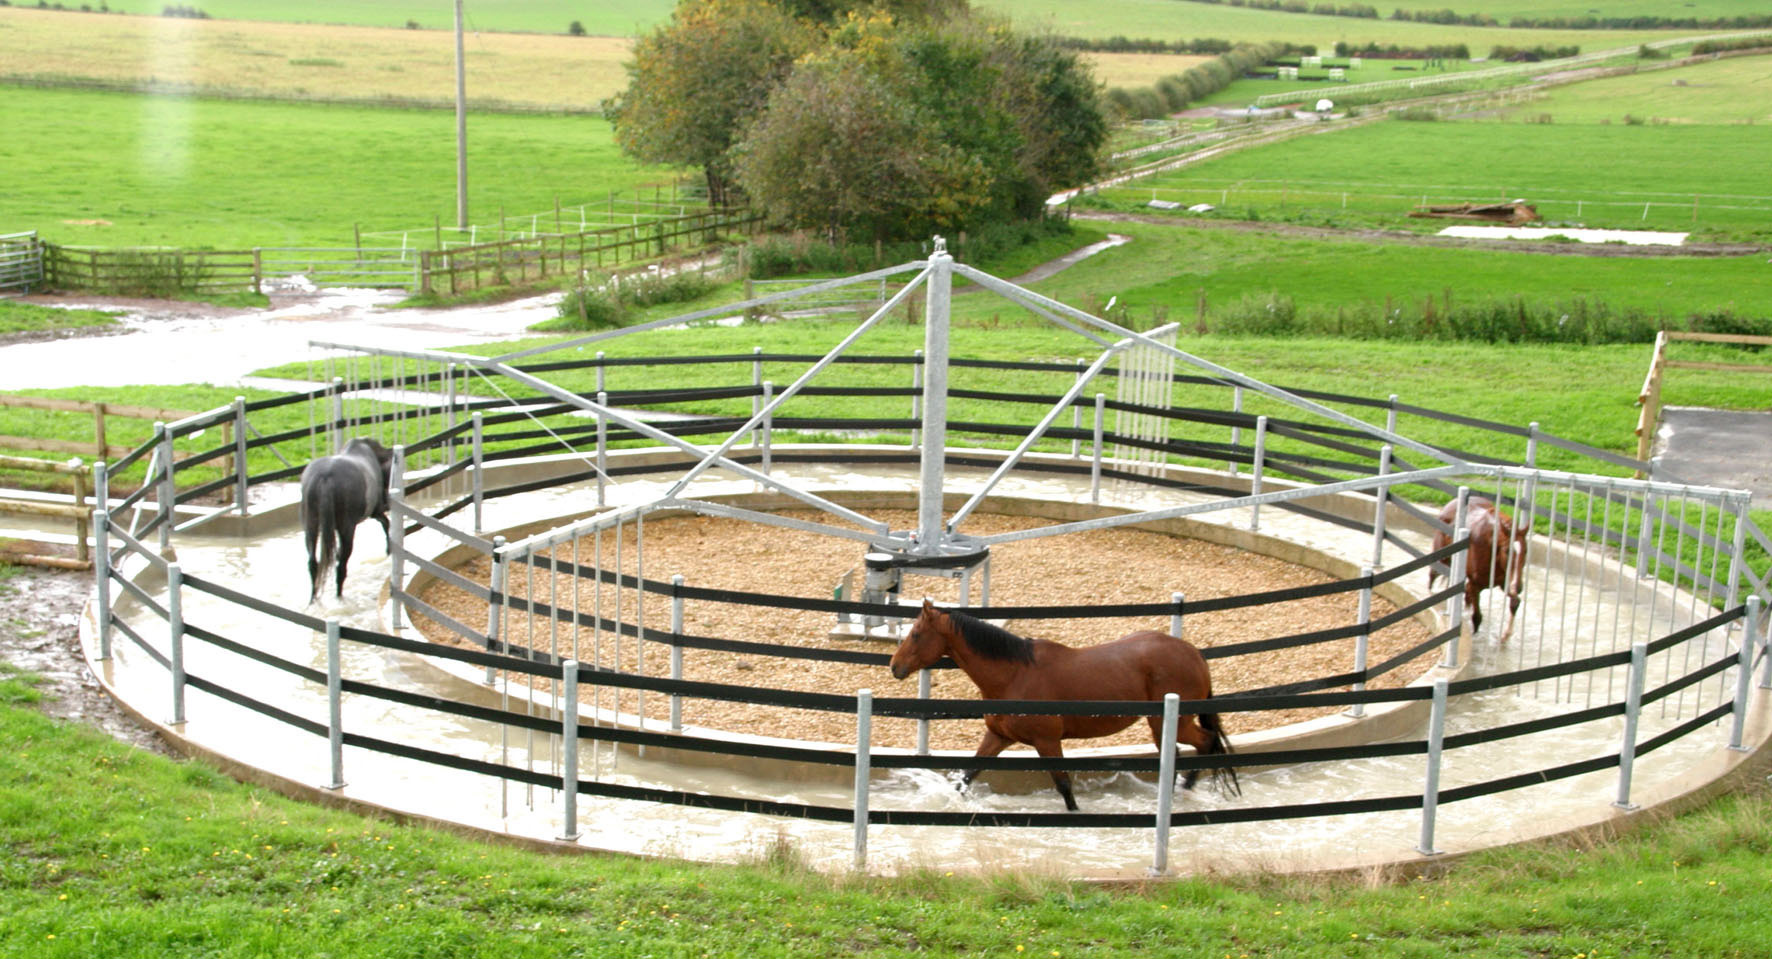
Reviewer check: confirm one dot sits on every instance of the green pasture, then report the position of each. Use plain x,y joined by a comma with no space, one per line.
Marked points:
128,170
1604,9
515,16
1617,176
1179,19
29,319
118,852
1731,91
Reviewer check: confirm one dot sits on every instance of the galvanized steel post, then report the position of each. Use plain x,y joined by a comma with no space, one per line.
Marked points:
766,429
175,621
335,728
1430,793
334,428
396,534
240,455
1256,470
677,652
495,603
1633,709
916,398
569,750
1095,461
1362,640
1175,618
1461,538
101,560
930,530
1165,782
167,489
1744,673
864,721
1382,497
924,684
479,454
602,448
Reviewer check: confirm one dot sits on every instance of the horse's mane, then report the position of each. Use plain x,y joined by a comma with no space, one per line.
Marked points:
991,641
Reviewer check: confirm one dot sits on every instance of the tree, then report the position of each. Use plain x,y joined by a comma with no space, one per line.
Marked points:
897,128
696,80
838,150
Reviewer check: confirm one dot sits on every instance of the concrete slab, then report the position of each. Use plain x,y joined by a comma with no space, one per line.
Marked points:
1731,449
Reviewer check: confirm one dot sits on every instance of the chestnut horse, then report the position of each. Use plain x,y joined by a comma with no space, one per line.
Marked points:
1483,568
1141,666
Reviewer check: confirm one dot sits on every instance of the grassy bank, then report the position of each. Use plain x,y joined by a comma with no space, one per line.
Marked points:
30,319
198,173
114,851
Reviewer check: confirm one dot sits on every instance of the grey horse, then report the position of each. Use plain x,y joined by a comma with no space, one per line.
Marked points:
337,493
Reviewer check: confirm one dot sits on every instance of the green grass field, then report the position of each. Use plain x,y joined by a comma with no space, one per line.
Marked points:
1729,92
1178,19
234,175
114,851
1576,174
527,16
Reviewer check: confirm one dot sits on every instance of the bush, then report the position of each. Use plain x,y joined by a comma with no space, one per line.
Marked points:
1580,321
603,301
796,254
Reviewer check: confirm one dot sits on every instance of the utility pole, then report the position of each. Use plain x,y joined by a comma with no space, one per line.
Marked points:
461,129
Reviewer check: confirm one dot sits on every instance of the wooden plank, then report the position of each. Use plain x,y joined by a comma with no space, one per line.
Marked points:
34,508
82,406
1718,367
40,465
1740,338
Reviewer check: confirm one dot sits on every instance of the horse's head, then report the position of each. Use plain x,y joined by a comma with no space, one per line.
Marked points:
924,644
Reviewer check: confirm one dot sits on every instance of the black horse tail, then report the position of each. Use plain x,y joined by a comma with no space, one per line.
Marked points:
318,519
1220,744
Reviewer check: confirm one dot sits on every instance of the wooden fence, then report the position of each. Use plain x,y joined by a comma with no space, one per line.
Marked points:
75,511
1650,396
98,449
21,261
463,268
154,272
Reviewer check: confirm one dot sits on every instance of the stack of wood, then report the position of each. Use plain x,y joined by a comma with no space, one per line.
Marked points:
1512,212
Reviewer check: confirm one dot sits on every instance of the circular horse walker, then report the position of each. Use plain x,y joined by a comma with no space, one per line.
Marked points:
576,706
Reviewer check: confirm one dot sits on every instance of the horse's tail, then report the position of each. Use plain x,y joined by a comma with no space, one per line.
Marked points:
1220,744
319,520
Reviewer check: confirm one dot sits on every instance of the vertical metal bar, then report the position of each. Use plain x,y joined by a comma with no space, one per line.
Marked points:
101,562
336,426
1095,459
495,607
677,652
1430,793
864,720
640,617
1236,431
396,535
451,412
1633,710
916,399
335,728
758,401
924,683
1381,504
175,622
239,455
1077,419
602,447
766,429
168,491
1460,561
569,751
478,471
1362,641
1744,673
1256,471
1165,782
1178,599
935,399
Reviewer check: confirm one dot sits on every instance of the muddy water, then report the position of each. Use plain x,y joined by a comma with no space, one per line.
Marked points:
272,567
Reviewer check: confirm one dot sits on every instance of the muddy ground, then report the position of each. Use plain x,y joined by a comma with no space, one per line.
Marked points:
40,634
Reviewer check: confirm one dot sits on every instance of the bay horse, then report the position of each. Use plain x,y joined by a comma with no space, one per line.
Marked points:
1141,666
337,493
1488,526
